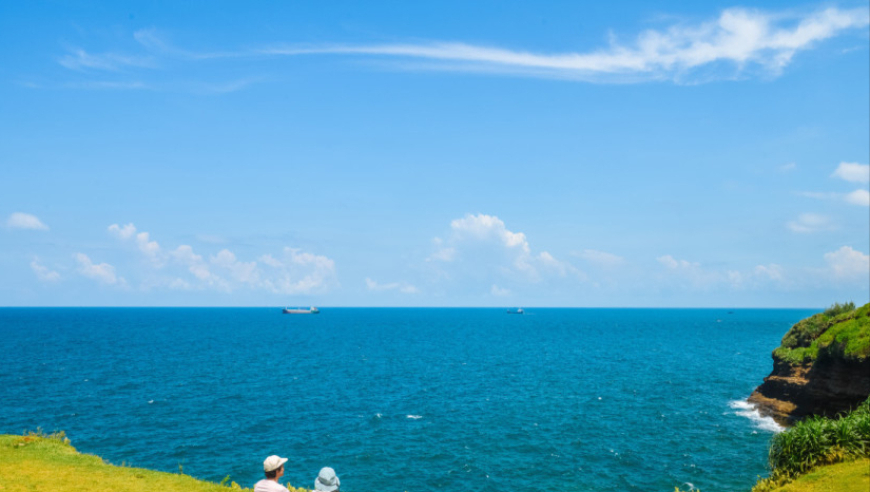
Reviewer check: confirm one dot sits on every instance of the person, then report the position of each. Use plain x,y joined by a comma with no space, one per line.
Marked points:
327,480
274,468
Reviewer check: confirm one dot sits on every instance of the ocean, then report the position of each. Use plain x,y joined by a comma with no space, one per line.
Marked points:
399,399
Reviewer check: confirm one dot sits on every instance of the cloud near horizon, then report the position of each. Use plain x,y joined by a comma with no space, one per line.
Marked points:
481,246
291,272
738,42
101,272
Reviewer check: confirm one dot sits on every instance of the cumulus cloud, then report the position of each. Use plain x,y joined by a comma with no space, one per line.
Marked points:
43,273
675,264
300,272
694,275
809,223
482,242
848,263
486,227
198,267
402,287
101,272
859,197
143,241
293,272
853,172
21,220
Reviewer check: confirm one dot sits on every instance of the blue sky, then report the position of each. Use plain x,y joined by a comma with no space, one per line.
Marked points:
434,154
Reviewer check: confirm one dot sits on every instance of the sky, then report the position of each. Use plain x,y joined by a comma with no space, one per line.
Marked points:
565,154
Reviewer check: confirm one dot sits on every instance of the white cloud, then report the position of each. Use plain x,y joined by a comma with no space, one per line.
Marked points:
847,263
485,227
79,59
149,248
298,272
675,264
43,273
21,220
402,287
809,223
197,266
102,272
481,245
787,168
600,258
241,271
853,172
859,197
742,38
498,291
771,271
123,232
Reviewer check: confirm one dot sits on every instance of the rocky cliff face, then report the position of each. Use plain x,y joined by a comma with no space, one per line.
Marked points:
830,373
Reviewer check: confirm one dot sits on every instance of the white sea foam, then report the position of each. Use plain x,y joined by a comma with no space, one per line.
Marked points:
378,415
748,410
415,417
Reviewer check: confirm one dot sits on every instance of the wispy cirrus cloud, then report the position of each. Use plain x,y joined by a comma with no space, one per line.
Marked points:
738,43
79,59
742,38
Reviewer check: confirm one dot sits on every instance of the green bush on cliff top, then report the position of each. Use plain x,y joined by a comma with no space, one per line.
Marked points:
841,331
817,441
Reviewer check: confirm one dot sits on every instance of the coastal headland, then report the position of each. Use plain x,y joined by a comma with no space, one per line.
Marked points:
821,368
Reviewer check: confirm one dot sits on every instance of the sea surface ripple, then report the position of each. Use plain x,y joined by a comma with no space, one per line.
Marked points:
404,399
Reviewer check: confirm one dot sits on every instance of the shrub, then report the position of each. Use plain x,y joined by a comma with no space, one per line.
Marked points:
837,309
817,441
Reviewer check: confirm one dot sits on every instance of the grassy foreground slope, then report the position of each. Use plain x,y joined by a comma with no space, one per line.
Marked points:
36,463
842,477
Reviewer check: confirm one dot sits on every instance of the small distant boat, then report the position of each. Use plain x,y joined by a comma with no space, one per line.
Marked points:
515,311
311,310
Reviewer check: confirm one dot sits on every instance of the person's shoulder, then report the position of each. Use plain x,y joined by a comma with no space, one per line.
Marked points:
269,486
272,486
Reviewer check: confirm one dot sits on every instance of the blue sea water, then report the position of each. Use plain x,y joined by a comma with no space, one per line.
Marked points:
404,399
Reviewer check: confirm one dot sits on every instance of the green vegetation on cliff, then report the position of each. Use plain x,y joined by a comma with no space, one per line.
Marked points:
841,331
37,461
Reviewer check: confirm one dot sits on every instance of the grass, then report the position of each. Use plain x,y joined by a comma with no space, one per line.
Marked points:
815,442
841,331
38,461
842,477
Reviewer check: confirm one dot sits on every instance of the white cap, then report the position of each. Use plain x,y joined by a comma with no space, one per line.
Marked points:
273,462
327,480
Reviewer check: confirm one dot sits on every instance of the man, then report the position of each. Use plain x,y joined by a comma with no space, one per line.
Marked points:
274,468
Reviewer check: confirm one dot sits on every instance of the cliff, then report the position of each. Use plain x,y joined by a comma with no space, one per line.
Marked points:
821,368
